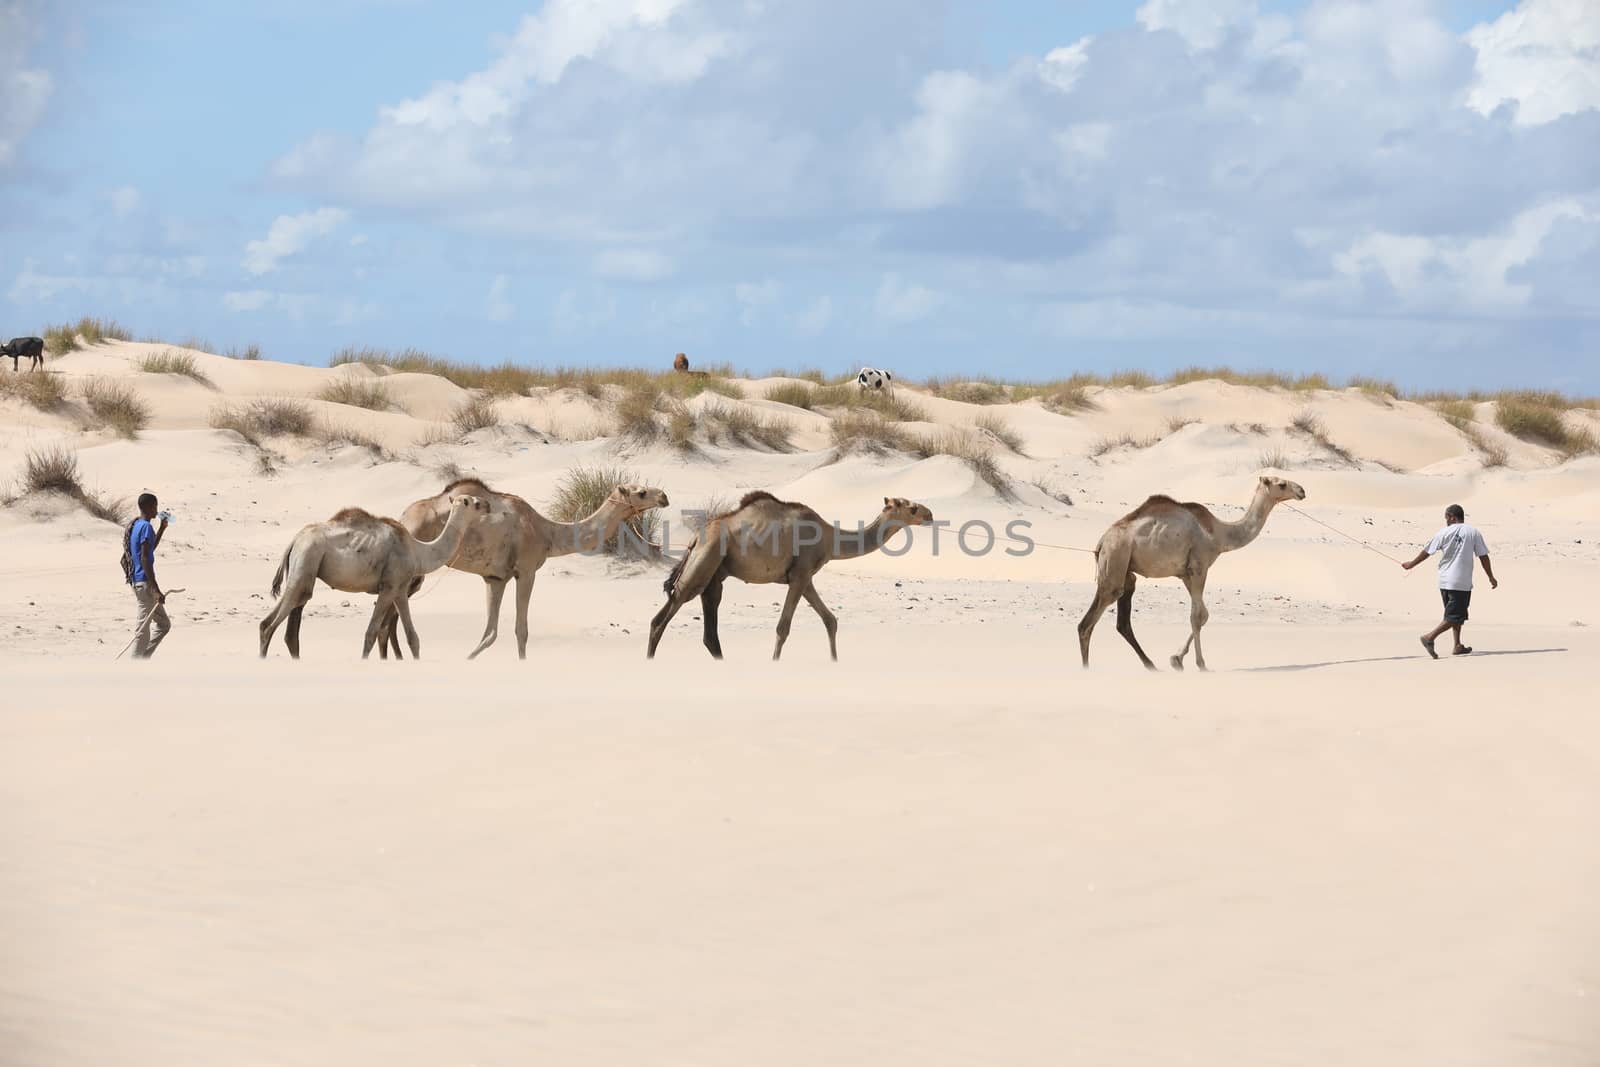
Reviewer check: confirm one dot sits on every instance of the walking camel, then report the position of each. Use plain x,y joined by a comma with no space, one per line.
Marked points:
355,552
513,542
1165,539
766,540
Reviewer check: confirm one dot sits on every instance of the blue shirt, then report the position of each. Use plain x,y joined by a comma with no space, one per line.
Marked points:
142,535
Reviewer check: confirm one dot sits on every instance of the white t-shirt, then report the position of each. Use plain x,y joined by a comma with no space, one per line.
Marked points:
1460,545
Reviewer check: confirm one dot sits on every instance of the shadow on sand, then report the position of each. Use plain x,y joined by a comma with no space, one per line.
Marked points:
1393,659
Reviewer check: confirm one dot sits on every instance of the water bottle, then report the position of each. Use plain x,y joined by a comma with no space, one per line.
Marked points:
165,516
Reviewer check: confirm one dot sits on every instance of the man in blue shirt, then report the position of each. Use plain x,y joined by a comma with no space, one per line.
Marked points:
142,541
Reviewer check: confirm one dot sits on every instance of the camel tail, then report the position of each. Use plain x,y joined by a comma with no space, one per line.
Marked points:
671,584
283,569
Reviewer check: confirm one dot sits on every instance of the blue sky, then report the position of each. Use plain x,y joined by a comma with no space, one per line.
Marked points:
1404,188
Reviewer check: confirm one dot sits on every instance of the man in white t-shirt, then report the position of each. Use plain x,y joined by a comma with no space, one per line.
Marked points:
1458,545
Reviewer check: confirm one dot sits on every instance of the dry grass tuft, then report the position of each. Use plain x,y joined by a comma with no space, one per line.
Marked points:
869,432
973,450
1178,422
1125,440
44,390
249,353
1273,459
852,397
265,418
374,396
170,362
116,405
84,333
1538,417
344,434
635,417
998,426
969,391
795,394
1052,490
477,412
55,470
582,490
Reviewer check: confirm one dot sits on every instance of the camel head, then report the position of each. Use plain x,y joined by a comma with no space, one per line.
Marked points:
472,508
637,498
905,512
1281,489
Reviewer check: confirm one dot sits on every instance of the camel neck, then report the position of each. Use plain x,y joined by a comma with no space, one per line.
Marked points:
585,535
849,544
1235,535
431,555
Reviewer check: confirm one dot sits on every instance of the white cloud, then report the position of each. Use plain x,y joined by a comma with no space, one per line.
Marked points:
633,265
1062,66
246,299
290,234
32,287
753,297
498,307
1201,23
637,39
125,201
24,91
901,301
358,240
1544,55
816,316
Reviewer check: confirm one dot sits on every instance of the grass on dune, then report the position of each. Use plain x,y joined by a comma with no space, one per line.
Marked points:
43,390
170,362
116,405
87,331
55,470
270,417
515,379
583,489
1539,418
374,396
870,433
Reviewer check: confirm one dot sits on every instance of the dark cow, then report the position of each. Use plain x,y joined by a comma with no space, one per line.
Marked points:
24,348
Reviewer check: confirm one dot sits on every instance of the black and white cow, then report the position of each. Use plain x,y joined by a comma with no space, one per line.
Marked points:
873,380
24,348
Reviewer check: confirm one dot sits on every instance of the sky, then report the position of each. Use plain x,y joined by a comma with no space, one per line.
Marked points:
1400,188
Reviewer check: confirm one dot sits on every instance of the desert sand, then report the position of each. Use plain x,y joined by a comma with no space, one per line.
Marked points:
954,846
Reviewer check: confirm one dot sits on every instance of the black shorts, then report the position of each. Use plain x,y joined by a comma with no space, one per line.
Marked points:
1455,604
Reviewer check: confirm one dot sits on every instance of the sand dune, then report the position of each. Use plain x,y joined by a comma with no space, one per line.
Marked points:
952,847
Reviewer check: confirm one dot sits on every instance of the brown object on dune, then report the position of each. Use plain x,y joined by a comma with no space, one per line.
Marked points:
766,540
1165,539
680,362
514,541
356,552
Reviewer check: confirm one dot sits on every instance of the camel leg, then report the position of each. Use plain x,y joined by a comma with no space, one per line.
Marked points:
1198,616
1102,601
375,624
495,591
1125,621
402,606
524,594
291,635
829,623
658,625
288,607
709,601
790,602
391,637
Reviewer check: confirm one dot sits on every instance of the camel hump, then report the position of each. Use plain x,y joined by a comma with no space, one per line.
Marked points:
757,496
353,515
1161,502
471,485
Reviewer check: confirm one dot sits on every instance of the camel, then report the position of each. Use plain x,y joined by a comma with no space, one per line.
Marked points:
355,552
514,542
1165,539
766,540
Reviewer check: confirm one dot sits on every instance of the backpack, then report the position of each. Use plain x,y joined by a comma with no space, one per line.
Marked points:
127,553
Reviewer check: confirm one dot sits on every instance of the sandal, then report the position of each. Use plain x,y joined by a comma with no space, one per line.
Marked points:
1464,650
1429,646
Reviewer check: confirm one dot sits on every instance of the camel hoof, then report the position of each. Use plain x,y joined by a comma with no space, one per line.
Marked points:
1177,663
